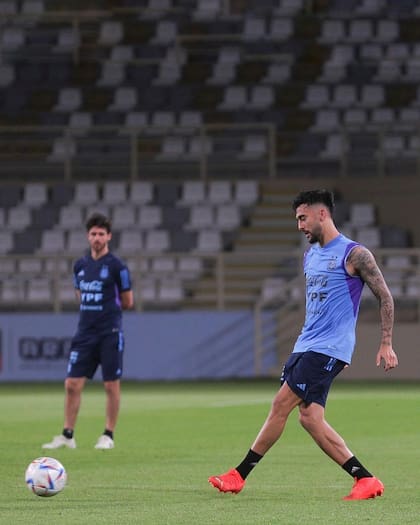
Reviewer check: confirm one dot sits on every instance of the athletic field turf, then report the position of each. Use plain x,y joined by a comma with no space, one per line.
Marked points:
171,437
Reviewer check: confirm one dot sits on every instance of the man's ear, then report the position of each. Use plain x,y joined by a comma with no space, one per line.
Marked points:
323,214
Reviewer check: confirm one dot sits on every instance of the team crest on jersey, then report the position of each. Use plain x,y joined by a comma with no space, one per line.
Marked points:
104,272
332,264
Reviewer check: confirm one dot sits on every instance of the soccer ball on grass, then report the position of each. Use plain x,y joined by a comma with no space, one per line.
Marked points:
45,476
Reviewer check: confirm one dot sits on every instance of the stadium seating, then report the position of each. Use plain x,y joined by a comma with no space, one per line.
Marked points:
355,62
201,92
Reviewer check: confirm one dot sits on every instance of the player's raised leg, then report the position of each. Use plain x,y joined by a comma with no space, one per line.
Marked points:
312,418
283,403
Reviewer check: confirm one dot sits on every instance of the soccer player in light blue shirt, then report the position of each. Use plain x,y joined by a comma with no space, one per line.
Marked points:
336,269
332,300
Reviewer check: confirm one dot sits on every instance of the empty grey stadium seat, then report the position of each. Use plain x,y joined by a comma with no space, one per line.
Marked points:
130,242
10,195
61,193
326,120
52,241
6,242
39,290
167,193
7,75
155,9
12,39
228,217
172,148
171,291
80,122
157,241
190,267
394,237
86,193
18,218
111,32
183,241
68,40
69,99
209,241
35,194
201,217
141,192
246,192
8,7
207,10
123,216
369,7
192,192
161,122
219,192
174,217
165,33
33,8
254,147
45,217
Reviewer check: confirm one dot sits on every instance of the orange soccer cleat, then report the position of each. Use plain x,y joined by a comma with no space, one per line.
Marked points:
230,481
366,488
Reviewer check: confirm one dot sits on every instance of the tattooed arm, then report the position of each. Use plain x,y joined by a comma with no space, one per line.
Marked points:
362,263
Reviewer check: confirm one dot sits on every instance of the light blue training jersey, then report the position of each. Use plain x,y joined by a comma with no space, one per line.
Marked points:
332,301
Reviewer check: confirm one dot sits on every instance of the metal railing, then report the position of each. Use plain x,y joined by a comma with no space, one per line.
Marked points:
224,281
52,153
130,153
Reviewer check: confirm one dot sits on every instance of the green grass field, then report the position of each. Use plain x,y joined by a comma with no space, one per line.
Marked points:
171,437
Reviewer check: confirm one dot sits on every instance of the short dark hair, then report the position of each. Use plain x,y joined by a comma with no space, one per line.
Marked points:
98,220
310,197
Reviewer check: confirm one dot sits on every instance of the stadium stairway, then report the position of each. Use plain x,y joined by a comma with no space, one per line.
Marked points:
273,225
271,229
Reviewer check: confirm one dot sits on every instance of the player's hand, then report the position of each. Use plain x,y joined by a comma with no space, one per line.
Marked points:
389,357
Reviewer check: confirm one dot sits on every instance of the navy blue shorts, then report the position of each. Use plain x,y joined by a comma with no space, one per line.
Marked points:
310,374
87,352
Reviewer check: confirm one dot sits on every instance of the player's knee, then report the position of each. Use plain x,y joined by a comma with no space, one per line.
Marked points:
278,411
73,386
306,420
112,387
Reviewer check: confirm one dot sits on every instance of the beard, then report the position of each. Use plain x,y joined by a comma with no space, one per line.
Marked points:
98,246
314,236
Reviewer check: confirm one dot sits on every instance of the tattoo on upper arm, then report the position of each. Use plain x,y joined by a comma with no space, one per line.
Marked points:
364,264
367,269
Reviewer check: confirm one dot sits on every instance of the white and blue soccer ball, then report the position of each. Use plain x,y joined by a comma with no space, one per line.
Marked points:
45,476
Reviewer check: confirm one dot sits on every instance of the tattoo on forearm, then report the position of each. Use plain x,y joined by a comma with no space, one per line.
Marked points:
366,267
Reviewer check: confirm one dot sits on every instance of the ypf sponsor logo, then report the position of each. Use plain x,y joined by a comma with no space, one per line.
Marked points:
50,348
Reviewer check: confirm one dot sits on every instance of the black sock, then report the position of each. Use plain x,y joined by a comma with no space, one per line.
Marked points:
250,461
68,433
109,433
356,469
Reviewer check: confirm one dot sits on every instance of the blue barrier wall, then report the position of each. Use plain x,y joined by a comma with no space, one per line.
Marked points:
174,345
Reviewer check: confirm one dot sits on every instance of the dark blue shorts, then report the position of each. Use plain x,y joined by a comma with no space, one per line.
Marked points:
87,352
310,374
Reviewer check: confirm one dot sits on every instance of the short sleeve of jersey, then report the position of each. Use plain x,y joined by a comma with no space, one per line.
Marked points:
122,276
